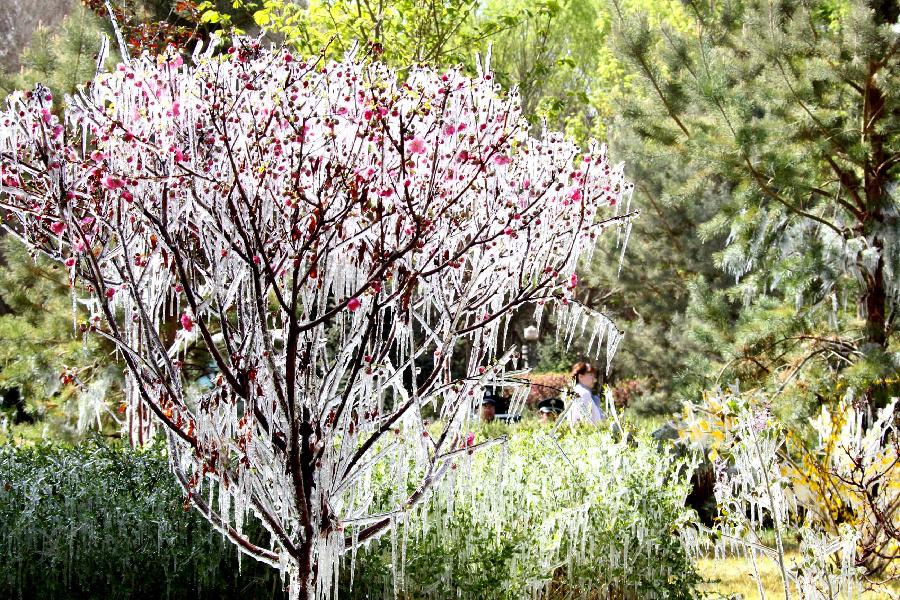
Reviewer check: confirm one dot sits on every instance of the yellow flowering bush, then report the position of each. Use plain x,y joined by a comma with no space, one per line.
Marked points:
850,476
837,490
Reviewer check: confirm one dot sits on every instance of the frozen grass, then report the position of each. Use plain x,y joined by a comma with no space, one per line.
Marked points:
732,578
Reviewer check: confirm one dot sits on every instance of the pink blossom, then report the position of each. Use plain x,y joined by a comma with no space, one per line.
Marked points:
111,182
449,129
70,262
57,227
573,281
417,146
187,323
353,304
46,116
470,439
502,159
575,194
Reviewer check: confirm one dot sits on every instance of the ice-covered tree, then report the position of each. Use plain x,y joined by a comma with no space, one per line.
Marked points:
329,235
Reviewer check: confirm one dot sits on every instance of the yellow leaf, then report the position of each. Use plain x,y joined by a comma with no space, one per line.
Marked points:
262,17
210,16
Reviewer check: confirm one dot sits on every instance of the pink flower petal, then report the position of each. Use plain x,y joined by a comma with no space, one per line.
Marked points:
417,146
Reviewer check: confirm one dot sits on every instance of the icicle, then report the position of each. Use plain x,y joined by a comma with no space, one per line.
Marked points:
624,246
394,556
613,339
123,47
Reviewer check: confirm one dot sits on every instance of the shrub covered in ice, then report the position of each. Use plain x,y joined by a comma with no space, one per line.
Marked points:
838,492
107,521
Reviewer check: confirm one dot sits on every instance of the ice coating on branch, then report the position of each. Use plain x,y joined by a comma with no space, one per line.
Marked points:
326,233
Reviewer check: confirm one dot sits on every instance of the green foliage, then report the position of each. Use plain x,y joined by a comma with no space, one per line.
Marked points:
402,32
778,125
551,58
542,514
109,522
44,361
100,521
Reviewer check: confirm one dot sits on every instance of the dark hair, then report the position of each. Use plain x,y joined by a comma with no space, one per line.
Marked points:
580,368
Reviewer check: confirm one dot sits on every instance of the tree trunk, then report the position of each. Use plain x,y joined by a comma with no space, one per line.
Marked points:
307,574
874,294
874,300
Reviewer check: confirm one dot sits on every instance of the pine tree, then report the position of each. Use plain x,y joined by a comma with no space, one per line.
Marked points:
50,378
50,381
61,58
791,108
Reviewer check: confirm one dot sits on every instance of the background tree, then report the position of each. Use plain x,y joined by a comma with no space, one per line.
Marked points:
61,57
19,19
785,108
54,383
551,57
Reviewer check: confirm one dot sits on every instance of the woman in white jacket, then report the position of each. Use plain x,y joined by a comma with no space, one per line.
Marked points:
585,404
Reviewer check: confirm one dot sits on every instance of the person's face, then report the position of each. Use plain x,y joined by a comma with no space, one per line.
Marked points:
488,411
588,379
548,417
